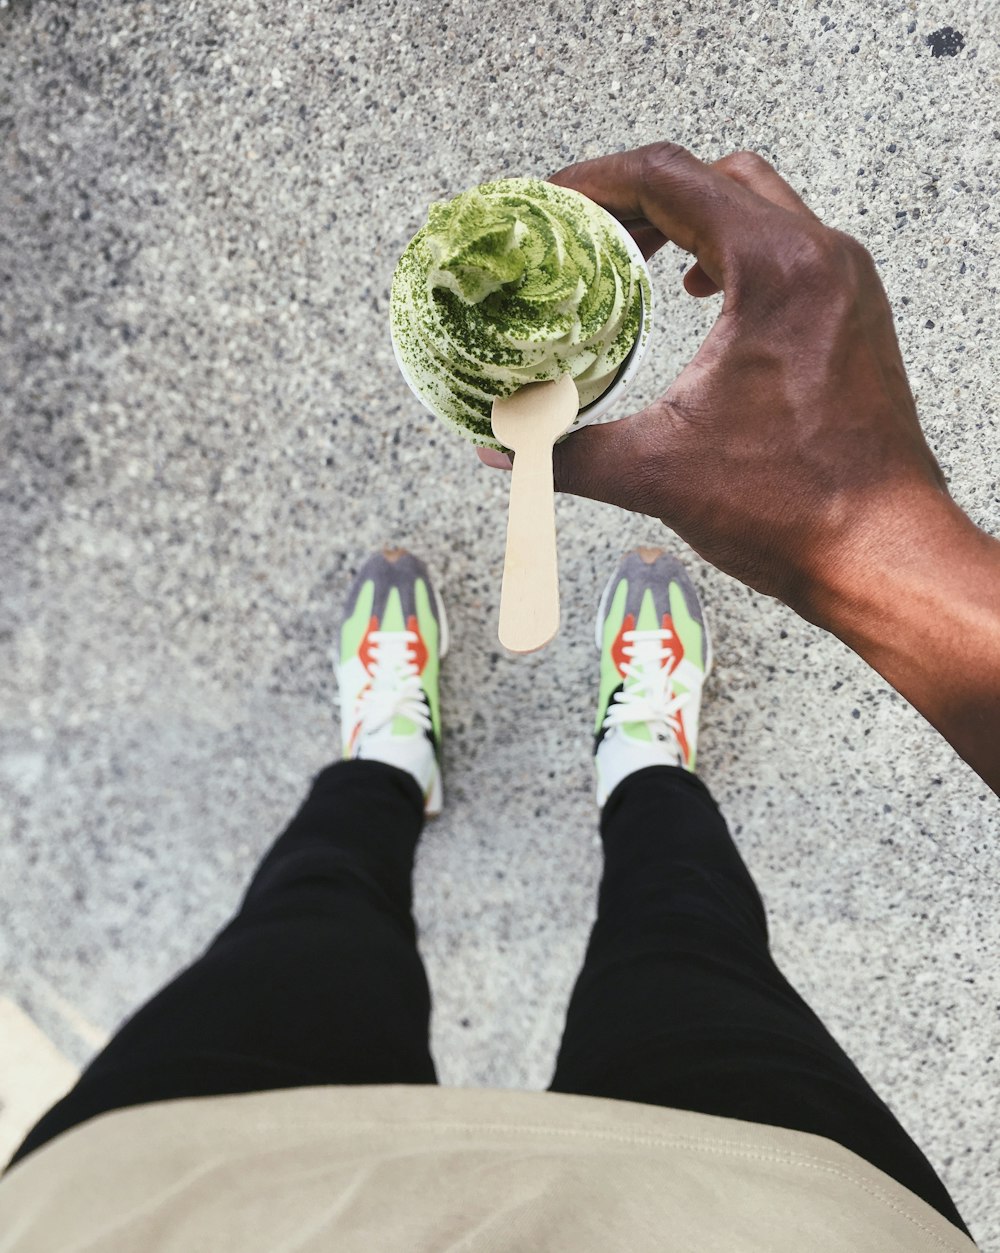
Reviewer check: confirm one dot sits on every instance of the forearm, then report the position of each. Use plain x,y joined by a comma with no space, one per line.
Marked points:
922,606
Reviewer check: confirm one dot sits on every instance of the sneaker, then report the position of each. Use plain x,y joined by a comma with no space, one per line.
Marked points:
392,639
655,655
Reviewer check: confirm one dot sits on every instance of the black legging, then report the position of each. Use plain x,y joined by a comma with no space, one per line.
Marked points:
318,980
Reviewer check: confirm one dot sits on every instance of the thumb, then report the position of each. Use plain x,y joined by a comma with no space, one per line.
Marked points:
618,462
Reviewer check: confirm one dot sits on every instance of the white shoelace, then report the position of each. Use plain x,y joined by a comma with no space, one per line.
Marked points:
395,690
650,698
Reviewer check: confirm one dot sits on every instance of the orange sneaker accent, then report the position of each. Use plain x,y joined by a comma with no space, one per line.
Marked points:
365,650
682,738
618,647
355,730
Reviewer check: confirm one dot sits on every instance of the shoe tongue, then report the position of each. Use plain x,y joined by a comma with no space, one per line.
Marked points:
392,651
647,657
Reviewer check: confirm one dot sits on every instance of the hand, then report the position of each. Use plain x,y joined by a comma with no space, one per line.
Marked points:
788,452
790,442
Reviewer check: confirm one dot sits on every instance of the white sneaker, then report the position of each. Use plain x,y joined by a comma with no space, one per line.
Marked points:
392,639
655,655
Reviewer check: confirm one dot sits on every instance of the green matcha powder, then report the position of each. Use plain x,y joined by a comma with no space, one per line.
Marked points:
512,282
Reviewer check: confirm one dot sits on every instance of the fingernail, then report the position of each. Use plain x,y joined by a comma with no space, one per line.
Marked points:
497,460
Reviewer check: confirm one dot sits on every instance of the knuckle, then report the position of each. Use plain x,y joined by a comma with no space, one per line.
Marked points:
656,159
812,252
745,164
814,257
650,457
852,251
797,264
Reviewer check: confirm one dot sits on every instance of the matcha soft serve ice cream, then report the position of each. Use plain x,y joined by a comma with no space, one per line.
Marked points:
513,282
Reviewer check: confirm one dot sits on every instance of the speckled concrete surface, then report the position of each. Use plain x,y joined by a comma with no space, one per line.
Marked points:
204,433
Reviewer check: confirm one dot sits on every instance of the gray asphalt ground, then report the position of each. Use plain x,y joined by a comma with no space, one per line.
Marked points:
204,433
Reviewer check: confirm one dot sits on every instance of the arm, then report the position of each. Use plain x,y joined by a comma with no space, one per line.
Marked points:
924,611
788,452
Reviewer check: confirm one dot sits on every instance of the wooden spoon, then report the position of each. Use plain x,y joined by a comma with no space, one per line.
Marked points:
529,423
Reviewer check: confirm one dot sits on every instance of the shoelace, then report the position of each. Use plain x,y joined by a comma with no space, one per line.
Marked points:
651,697
395,690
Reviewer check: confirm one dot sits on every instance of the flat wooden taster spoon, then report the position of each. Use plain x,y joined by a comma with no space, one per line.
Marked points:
529,423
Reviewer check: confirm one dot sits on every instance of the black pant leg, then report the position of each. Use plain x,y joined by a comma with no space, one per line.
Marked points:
679,1002
317,980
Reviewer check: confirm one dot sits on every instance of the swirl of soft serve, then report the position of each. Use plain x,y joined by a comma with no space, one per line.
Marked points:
512,282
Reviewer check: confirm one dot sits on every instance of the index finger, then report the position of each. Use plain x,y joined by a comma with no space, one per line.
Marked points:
761,178
699,208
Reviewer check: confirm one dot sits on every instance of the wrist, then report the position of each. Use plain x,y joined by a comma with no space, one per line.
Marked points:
906,541
919,600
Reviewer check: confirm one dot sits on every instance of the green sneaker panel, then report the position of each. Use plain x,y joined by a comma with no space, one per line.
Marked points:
651,591
355,626
393,595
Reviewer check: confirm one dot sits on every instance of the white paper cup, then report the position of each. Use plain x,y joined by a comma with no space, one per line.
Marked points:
608,399
615,392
